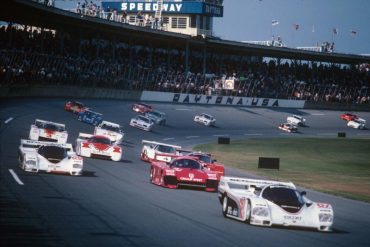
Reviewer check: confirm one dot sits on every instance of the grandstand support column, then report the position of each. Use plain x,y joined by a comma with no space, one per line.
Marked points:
187,57
205,58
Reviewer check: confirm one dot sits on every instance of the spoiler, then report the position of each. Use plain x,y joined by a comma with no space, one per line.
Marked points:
49,122
158,143
254,182
84,136
36,144
110,123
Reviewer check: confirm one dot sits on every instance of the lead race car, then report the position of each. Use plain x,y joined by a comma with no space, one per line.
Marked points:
111,130
35,156
267,203
358,123
157,151
97,146
183,171
205,119
296,120
43,130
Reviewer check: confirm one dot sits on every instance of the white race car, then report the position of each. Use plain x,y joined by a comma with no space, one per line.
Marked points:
288,127
156,151
267,203
97,146
142,122
205,119
157,117
358,123
43,130
111,130
35,156
296,120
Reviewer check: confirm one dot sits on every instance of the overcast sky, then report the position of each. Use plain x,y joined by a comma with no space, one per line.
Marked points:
250,20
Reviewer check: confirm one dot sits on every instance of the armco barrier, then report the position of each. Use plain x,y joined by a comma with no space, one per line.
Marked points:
336,106
68,91
219,100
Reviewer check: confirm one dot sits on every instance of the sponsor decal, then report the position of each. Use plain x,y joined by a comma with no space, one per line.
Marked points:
49,133
137,6
191,178
323,205
293,218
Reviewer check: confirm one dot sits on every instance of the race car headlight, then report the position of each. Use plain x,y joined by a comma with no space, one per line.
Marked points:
260,211
31,162
77,166
325,217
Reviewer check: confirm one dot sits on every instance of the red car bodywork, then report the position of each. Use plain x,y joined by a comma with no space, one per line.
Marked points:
208,163
74,106
142,108
183,171
348,117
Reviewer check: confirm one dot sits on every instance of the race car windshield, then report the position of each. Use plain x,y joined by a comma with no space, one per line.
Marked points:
156,114
207,116
186,163
204,158
166,149
111,128
144,119
287,198
53,127
78,104
100,140
52,153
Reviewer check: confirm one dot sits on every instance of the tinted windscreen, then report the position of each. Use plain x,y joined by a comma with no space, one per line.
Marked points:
100,140
52,153
111,128
203,158
288,199
186,163
166,149
53,127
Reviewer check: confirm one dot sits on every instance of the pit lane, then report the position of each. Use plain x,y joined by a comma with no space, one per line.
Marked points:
114,204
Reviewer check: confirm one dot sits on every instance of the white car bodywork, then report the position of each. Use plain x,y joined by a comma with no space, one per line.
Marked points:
296,120
288,127
205,119
156,151
246,200
85,146
358,123
111,130
157,117
31,160
142,122
43,130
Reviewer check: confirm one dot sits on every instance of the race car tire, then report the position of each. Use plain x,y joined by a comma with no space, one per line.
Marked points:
144,156
248,212
225,205
151,174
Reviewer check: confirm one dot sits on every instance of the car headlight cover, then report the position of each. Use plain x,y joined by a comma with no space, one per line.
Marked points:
325,217
260,211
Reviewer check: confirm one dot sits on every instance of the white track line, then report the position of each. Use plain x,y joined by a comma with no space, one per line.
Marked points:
8,120
189,137
326,134
167,139
318,114
220,135
256,134
182,109
15,176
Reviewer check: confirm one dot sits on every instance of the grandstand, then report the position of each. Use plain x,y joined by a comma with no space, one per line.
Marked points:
51,46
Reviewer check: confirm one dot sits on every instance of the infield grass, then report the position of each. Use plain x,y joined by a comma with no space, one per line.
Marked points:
339,166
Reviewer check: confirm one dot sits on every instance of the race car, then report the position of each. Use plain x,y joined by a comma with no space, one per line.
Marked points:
90,117
43,130
74,106
358,123
205,119
296,120
156,151
97,146
288,127
142,108
348,116
142,122
267,203
157,117
183,171
35,156
209,163
111,130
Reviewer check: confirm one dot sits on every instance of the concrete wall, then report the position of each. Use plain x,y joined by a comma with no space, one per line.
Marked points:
68,91
336,106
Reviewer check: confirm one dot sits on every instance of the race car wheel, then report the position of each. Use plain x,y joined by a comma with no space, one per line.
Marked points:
225,205
248,211
151,175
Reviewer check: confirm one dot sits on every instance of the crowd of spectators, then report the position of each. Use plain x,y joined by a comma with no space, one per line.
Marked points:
33,55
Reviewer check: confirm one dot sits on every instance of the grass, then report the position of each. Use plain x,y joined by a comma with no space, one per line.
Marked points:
337,166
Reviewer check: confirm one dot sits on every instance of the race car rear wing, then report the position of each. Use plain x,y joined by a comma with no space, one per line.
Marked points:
109,123
145,142
84,136
30,144
248,184
39,122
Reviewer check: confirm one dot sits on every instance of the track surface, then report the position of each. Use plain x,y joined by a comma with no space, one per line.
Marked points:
114,204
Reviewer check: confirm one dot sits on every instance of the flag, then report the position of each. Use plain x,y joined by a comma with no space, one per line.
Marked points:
335,31
274,22
313,28
353,33
296,26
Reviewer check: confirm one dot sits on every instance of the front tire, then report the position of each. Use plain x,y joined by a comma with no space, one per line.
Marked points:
248,212
151,174
225,205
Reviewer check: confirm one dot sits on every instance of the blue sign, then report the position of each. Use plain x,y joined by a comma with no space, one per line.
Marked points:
190,7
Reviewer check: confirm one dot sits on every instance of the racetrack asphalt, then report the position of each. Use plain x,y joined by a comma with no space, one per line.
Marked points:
114,204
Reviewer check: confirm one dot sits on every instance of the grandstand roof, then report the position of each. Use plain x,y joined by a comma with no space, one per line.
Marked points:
28,12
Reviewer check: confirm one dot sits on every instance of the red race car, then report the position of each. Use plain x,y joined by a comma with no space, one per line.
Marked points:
348,117
209,163
74,106
142,108
183,171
